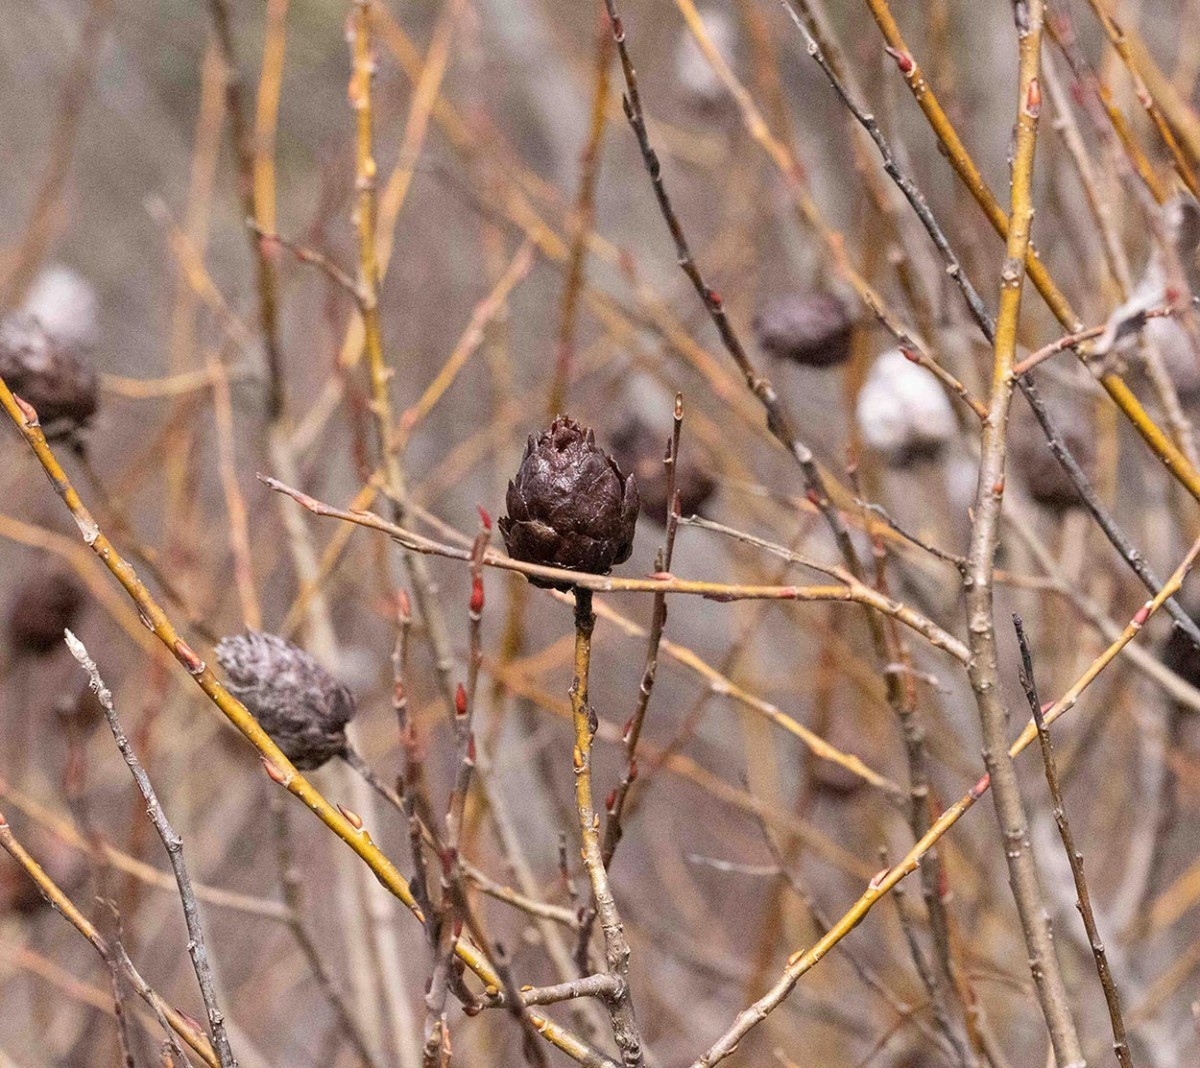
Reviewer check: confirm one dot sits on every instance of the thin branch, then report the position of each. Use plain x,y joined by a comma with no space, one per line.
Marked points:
663,582
1075,858
276,764
616,947
197,945
803,961
175,1021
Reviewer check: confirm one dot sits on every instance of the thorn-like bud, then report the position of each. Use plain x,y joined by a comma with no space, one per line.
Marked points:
1033,99
477,598
980,788
188,658
878,877
903,60
484,517
273,773
460,701
353,818
28,413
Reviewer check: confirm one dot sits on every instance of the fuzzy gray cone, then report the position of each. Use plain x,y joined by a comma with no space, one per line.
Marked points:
48,374
295,700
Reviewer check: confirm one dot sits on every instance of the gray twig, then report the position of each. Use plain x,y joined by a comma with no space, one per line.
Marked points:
174,847
1084,904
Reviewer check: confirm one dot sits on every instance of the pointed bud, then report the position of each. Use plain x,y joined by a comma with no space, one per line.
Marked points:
476,606
903,60
484,517
460,701
273,773
28,412
1033,99
188,658
353,818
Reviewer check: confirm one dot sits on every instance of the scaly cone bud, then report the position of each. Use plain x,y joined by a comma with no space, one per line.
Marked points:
637,448
1045,478
570,505
811,329
45,606
295,700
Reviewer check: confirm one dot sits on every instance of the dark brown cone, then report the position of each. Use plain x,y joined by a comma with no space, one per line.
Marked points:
639,450
62,388
295,700
1179,654
812,329
834,781
1044,476
66,866
45,606
569,505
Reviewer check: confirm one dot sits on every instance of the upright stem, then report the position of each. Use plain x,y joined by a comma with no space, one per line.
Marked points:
984,666
365,215
616,948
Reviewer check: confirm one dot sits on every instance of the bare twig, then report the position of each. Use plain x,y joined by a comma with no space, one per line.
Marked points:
278,767
172,1019
197,946
616,947
803,961
984,666
1084,903
858,592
